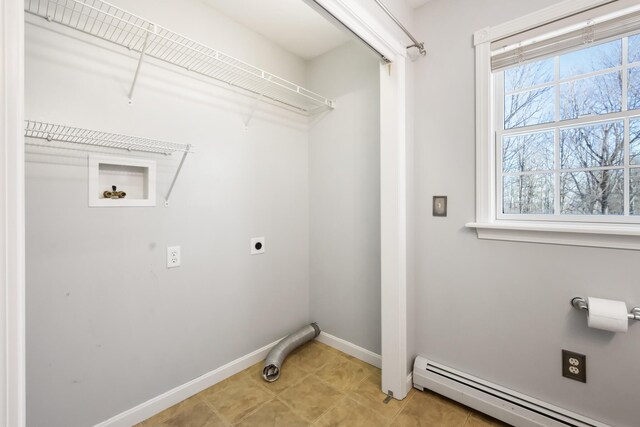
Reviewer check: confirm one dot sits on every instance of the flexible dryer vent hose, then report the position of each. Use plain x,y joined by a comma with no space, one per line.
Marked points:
276,356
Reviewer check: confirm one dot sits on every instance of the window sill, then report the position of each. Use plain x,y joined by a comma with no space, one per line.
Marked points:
618,236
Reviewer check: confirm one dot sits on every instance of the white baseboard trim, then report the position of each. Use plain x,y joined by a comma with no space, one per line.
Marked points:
409,383
184,391
178,394
351,349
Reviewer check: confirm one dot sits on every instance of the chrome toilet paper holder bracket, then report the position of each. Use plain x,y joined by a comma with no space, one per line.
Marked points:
581,304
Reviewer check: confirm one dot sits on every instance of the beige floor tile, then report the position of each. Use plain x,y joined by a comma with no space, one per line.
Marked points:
273,414
318,385
344,376
199,415
424,409
311,357
369,394
239,398
350,413
477,419
310,398
329,349
216,388
369,368
290,374
170,412
409,395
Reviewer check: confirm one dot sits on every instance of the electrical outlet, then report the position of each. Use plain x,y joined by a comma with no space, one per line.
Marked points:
173,256
257,245
574,366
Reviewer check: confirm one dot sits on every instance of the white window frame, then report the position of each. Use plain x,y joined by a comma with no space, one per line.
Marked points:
558,125
490,225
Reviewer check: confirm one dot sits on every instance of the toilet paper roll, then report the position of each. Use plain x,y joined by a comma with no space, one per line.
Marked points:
608,315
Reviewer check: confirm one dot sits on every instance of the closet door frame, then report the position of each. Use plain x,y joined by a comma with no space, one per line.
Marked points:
12,237
393,167
396,365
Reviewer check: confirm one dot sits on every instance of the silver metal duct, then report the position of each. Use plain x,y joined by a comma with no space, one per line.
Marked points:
276,356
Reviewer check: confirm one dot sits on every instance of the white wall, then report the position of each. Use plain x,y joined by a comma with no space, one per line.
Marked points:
344,179
501,310
108,326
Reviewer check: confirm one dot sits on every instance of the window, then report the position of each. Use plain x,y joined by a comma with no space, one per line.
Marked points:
568,135
558,126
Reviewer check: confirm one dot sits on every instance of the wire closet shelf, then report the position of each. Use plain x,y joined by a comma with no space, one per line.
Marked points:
54,132
110,23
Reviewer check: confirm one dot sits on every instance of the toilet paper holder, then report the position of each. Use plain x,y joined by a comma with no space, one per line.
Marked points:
581,304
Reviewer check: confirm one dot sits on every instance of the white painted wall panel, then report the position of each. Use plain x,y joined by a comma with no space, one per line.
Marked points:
500,310
344,179
108,326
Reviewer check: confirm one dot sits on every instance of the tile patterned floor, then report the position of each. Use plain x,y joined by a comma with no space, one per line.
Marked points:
319,386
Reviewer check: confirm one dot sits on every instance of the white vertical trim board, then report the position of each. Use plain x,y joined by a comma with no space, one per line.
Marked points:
393,233
351,349
12,238
393,177
485,179
178,394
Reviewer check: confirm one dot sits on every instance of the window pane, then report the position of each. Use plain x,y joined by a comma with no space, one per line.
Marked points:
529,108
634,88
594,58
634,48
634,141
592,192
527,75
634,189
592,146
600,94
532,152
528,194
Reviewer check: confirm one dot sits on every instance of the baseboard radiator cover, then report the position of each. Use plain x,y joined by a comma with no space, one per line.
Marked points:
499,402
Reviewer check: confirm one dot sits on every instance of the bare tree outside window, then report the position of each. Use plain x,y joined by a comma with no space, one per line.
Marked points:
589,166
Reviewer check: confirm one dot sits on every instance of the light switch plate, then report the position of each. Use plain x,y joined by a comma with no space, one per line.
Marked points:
173,256
439,205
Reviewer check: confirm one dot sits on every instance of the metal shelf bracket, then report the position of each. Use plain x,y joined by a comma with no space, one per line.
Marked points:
152,28
257,100
175,177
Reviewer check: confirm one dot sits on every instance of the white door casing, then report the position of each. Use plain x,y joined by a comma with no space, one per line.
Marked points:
393,185
12,254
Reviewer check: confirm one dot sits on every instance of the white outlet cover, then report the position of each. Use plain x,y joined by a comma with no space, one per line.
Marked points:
257,245
173,256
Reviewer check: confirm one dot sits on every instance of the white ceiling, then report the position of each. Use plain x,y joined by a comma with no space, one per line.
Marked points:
291,24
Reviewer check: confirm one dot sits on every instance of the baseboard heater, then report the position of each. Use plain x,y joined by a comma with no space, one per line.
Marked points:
499,402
